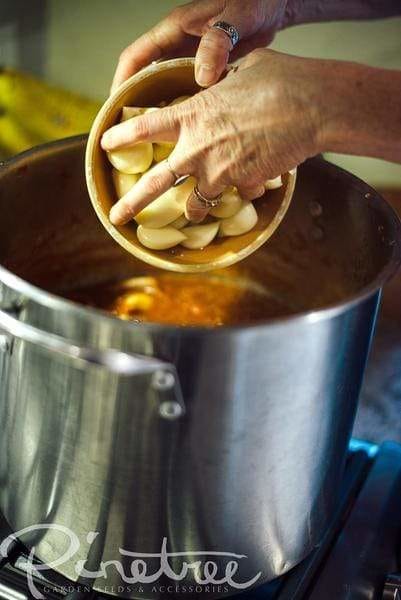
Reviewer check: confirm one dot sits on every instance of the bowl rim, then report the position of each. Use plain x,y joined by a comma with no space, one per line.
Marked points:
52,301
225,260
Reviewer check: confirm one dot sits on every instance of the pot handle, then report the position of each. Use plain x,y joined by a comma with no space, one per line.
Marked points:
163,375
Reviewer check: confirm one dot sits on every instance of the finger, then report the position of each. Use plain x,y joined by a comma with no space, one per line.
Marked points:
154,44
251,192
176,35
156,126
150,186
195,209
212,56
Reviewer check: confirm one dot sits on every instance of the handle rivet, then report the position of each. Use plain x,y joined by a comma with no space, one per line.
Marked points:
163,380
170,410
4,343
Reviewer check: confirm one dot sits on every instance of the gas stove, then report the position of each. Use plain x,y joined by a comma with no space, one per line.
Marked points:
358,559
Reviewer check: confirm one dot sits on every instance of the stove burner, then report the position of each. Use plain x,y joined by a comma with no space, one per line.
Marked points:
361,545
392,587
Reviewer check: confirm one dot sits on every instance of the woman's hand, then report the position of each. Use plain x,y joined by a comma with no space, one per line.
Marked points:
187,30
179,34
254,125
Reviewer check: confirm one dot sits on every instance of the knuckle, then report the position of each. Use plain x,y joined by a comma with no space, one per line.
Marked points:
155,185
214,40
161,36
183,159
257,52
140,126
176,14
248,186
212,181
255,181
255,55
125,208
152,37
125,55
170,115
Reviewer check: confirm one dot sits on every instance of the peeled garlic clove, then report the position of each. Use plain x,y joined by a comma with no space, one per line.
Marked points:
162,150
136,301
132,160
245,219
180,222
183,191
199,236
143,282
138,158
159,239
230,204
274,184
161,211
167,207
128,112
179,100
123,182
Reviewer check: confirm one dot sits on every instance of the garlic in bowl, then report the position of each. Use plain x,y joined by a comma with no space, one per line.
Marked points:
160,235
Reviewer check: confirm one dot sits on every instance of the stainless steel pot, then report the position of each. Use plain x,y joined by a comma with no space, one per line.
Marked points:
229,439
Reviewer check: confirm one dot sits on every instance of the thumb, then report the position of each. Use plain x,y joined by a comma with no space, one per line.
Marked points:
212,56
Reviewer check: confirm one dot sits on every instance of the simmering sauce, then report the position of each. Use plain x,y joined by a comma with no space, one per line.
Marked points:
184,300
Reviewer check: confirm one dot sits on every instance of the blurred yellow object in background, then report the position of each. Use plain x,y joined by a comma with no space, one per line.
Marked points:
13,137
33,112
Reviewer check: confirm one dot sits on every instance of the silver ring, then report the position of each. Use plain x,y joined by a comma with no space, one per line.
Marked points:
229,30
207,202
178,179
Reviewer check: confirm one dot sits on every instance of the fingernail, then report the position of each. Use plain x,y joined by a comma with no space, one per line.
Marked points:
114,216
105,142
205,75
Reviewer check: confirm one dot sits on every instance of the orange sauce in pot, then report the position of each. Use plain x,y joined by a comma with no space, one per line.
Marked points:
175,299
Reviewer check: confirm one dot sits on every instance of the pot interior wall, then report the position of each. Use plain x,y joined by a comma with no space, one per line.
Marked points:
334,240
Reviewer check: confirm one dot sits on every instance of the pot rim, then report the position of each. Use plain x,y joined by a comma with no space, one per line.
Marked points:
55,302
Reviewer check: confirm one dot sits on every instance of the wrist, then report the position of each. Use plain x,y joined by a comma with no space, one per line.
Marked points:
294,13
359,112
334,109
315,11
